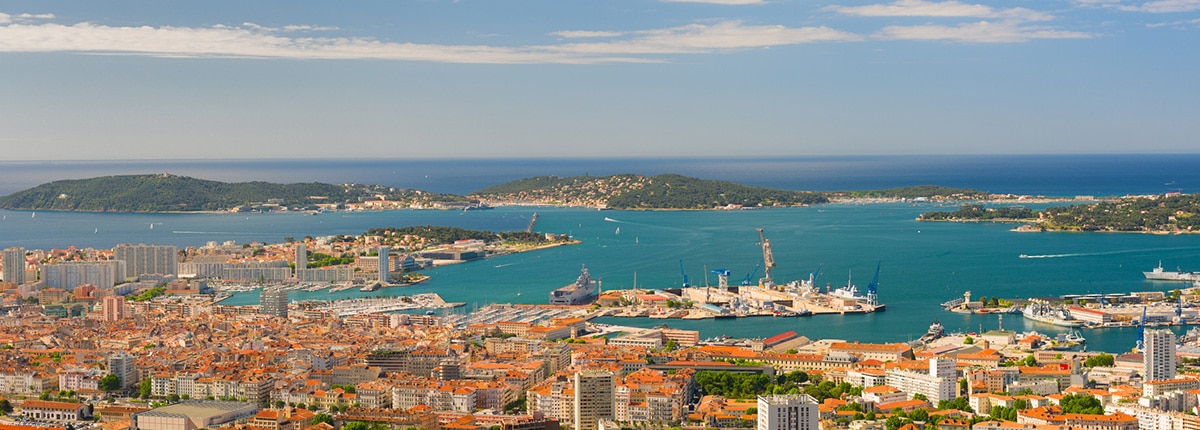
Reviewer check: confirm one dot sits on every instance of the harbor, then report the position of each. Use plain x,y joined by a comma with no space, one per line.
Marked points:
360,306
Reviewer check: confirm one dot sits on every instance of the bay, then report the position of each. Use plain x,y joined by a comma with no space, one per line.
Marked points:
922,264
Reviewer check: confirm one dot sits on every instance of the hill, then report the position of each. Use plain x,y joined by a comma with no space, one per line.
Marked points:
642,192
1156,214
172,193
915,191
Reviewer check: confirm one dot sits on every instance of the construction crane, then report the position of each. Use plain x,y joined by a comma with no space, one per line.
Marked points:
746,282
685,278
768,259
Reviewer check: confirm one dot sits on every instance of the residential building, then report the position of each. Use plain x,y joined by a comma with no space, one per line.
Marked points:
384,261
122,365
595,398
114,308
941,383
14,265
148,259
788,412
1158,362
274,302
57,411
70,274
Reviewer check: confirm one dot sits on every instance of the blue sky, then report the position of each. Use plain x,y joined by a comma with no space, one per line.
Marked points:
590,78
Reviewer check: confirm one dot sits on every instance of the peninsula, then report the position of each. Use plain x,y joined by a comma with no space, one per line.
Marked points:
1171,213
173,193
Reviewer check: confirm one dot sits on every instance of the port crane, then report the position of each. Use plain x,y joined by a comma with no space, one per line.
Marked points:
768,259
746,282
872,288
722,278
1103,301
686,284
1141,340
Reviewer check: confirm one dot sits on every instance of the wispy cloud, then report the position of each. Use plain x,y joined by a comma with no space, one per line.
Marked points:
725,2
979,32
585,34
254,41
946,9
705,38
6,18
1154,6
1176,24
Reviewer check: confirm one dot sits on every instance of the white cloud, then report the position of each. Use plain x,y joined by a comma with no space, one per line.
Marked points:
585,34
6,18
254,41
1164,6
725,2
1176,24
702,38
946,9
979,32
1154,6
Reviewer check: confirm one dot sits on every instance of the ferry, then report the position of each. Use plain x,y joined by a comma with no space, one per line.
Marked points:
583,291
1158,274
935,332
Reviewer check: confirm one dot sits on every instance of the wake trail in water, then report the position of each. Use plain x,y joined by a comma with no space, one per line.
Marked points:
1090,254
613,220
208,232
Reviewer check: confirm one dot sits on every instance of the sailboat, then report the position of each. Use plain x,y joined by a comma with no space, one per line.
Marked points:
97,231
518,291
618,230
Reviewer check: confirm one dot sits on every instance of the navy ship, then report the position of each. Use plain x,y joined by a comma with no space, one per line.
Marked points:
583,291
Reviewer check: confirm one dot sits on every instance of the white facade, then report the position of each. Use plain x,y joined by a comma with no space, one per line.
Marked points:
148,259
14,265
1158,358
788,412
70,274
940,384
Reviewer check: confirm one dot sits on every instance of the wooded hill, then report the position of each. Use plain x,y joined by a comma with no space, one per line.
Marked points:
172,193
1176,213
643,192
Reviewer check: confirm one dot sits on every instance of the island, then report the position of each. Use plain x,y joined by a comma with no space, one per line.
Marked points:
1172,213
629,191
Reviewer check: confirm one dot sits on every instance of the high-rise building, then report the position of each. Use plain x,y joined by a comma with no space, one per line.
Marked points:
70,274
14,265
114,307
941,383
148,259
122,365
1158,355
274,302
595,398
383,265
301,258
788,412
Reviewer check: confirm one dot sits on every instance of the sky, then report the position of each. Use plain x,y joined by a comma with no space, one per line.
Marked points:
397,79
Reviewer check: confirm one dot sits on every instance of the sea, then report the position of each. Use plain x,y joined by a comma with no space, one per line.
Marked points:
921,264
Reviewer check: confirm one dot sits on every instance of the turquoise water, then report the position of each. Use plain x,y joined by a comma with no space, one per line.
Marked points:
923,264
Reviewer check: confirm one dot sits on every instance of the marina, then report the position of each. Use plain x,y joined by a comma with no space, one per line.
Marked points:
348,307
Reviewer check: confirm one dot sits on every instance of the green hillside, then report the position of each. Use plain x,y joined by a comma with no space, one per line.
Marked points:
172,193
643,192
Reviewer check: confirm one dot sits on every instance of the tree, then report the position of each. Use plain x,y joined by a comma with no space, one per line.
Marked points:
110,383
962,386
893,423
919,396
968,341
1081,404
1100,360
919,415
322,418
1028,361
145,388
279,404
5,407
172,398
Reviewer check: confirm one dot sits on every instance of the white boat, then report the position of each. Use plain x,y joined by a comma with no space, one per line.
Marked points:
1158,274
